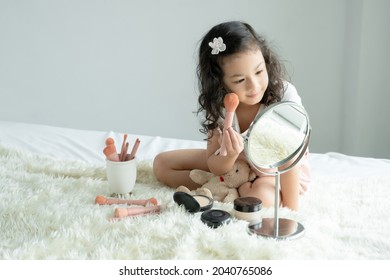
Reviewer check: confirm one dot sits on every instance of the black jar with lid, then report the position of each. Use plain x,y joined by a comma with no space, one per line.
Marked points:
248,208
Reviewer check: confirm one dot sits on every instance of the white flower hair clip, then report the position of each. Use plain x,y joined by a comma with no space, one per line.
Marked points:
217,45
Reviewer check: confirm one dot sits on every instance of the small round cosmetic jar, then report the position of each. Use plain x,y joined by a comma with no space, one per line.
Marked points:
247,208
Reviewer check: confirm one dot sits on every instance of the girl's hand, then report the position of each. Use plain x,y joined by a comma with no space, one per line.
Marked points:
233,141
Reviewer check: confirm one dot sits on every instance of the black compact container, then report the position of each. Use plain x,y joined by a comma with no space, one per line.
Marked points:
215,218
193,203
201,203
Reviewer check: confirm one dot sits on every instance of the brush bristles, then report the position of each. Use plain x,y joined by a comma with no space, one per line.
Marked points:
120,212
110,141
231,102
153,201
100,199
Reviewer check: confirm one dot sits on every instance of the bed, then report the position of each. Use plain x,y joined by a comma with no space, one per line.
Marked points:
50,177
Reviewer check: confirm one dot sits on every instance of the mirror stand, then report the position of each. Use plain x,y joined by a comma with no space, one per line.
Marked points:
278,228
278,135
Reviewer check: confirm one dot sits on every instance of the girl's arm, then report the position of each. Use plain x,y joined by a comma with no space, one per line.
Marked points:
234,144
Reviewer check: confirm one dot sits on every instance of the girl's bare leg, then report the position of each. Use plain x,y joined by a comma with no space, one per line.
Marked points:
262,188
172,168
290,188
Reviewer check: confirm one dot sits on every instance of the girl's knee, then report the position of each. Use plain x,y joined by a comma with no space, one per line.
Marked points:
245,188
158,166
262,188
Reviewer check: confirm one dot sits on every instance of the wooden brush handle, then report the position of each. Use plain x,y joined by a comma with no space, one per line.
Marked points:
109,201
136,211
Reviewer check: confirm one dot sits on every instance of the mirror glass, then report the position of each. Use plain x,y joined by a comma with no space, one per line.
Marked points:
277,135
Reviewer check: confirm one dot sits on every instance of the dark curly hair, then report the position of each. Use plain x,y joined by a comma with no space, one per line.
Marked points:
238,37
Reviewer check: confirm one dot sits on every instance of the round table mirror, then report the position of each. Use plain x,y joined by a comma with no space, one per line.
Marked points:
275,143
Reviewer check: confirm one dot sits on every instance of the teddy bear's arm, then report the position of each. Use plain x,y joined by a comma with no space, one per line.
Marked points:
231,196
200,176
218,190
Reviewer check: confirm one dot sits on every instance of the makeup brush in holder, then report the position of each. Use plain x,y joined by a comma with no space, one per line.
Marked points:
121,167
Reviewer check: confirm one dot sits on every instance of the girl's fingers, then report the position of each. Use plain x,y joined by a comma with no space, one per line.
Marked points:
229,141
220,139
236,141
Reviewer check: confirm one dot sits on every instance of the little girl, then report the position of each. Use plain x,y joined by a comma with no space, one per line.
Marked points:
234,58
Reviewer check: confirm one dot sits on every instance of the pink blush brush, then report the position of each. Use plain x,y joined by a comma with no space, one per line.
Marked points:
137,211
230,102
101,200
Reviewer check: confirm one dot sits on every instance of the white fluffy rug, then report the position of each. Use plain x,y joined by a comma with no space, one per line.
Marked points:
48,211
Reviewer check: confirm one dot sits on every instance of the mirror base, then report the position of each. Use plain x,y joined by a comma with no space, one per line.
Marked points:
288,229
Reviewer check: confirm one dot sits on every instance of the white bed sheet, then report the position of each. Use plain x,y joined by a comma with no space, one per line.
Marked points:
87,145
344,213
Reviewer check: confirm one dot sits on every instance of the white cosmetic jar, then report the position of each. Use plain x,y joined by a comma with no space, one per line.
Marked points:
248,208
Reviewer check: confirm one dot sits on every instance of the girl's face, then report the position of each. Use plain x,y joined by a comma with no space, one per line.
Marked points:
246,75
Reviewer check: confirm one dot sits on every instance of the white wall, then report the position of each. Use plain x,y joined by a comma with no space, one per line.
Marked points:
370,132
129,66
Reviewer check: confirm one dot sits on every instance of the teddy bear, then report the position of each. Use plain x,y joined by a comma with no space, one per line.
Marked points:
221,188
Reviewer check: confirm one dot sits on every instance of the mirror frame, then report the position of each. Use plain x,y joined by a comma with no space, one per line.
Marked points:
299,151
